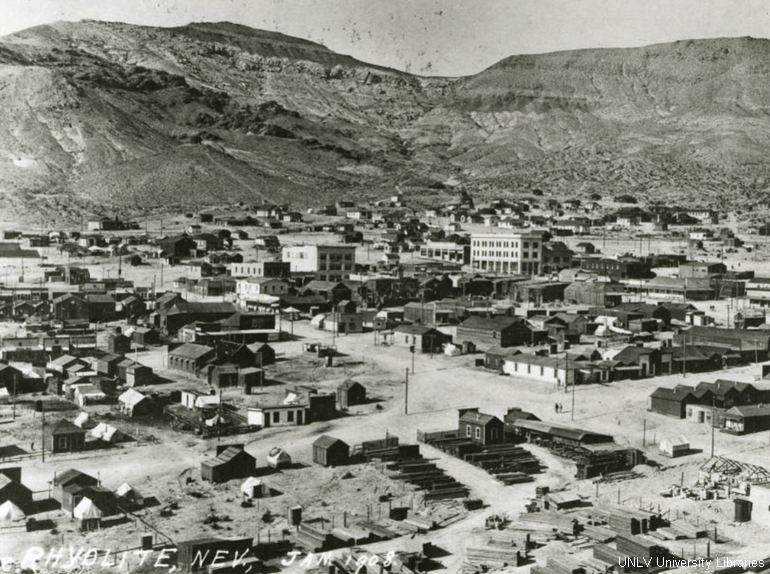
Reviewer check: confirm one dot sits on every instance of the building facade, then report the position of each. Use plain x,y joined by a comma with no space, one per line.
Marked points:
514,253
328,262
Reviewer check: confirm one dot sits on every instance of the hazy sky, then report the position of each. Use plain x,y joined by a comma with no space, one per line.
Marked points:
448,37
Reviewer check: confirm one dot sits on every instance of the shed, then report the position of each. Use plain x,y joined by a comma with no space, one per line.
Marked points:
350,393
230,462
65,437
330,451
15,492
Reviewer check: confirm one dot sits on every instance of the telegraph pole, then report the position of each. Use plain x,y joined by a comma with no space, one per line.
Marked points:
42,430
713,424
406,392
574,382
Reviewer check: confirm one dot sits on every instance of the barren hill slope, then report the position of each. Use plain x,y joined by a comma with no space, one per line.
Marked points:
105,117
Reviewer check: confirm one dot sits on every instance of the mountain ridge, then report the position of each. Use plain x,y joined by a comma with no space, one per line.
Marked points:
91,108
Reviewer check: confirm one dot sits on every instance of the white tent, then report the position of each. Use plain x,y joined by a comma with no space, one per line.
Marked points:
128,492
98,430
278,458
452,350
674,446
105,432
253,487
318,321
81,419
216,419
10,512
86,510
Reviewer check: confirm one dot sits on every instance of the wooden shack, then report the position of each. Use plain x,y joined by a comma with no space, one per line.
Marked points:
330,451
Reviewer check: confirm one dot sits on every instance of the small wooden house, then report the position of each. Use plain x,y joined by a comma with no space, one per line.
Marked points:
65,437
330,451
230,462
350,393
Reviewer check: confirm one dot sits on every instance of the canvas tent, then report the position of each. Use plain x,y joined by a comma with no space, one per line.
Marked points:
87,510
127,492
105,432
253,487
674,446
9,512
278,458
81,419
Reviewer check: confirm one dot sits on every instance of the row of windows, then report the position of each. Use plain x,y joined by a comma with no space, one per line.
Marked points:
506,254
514,244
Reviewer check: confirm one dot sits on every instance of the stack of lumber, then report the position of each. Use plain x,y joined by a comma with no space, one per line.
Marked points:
426,476
492,556
378,530
599,533
688,530
311,538
639,547
549,521
607,554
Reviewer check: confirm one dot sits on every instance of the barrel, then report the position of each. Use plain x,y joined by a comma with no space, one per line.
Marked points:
742,510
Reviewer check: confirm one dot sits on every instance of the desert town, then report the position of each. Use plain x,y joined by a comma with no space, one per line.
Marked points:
534,386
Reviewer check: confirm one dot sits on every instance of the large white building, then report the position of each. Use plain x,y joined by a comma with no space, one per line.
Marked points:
515,253
328,262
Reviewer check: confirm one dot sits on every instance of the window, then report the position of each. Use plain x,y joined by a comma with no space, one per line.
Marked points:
467,431
276,416
290,416
478,433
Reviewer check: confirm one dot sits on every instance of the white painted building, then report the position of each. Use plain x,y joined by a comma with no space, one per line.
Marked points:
515,253
328,262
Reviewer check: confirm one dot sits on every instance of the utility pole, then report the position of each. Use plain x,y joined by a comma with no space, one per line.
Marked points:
14,398
713,413
406,392
574,382
684,356
42,430
644,434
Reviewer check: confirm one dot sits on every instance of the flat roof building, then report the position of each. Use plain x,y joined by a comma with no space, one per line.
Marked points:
519,253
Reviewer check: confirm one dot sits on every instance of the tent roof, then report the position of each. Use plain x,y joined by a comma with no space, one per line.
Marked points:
86,509
9,511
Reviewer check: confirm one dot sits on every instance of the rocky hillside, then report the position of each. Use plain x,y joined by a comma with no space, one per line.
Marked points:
103,117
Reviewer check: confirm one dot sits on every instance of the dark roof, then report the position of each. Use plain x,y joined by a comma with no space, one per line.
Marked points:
562,431
497,323
477,417
318,285
676,394
349,385
71,475
747,411
721,387
326,441
66,427
187,307
517,413
191,351
414,329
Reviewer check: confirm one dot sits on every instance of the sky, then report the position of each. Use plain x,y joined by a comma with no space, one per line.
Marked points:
432,37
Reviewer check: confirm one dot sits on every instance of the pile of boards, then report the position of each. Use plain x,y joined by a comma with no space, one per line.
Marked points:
508,463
